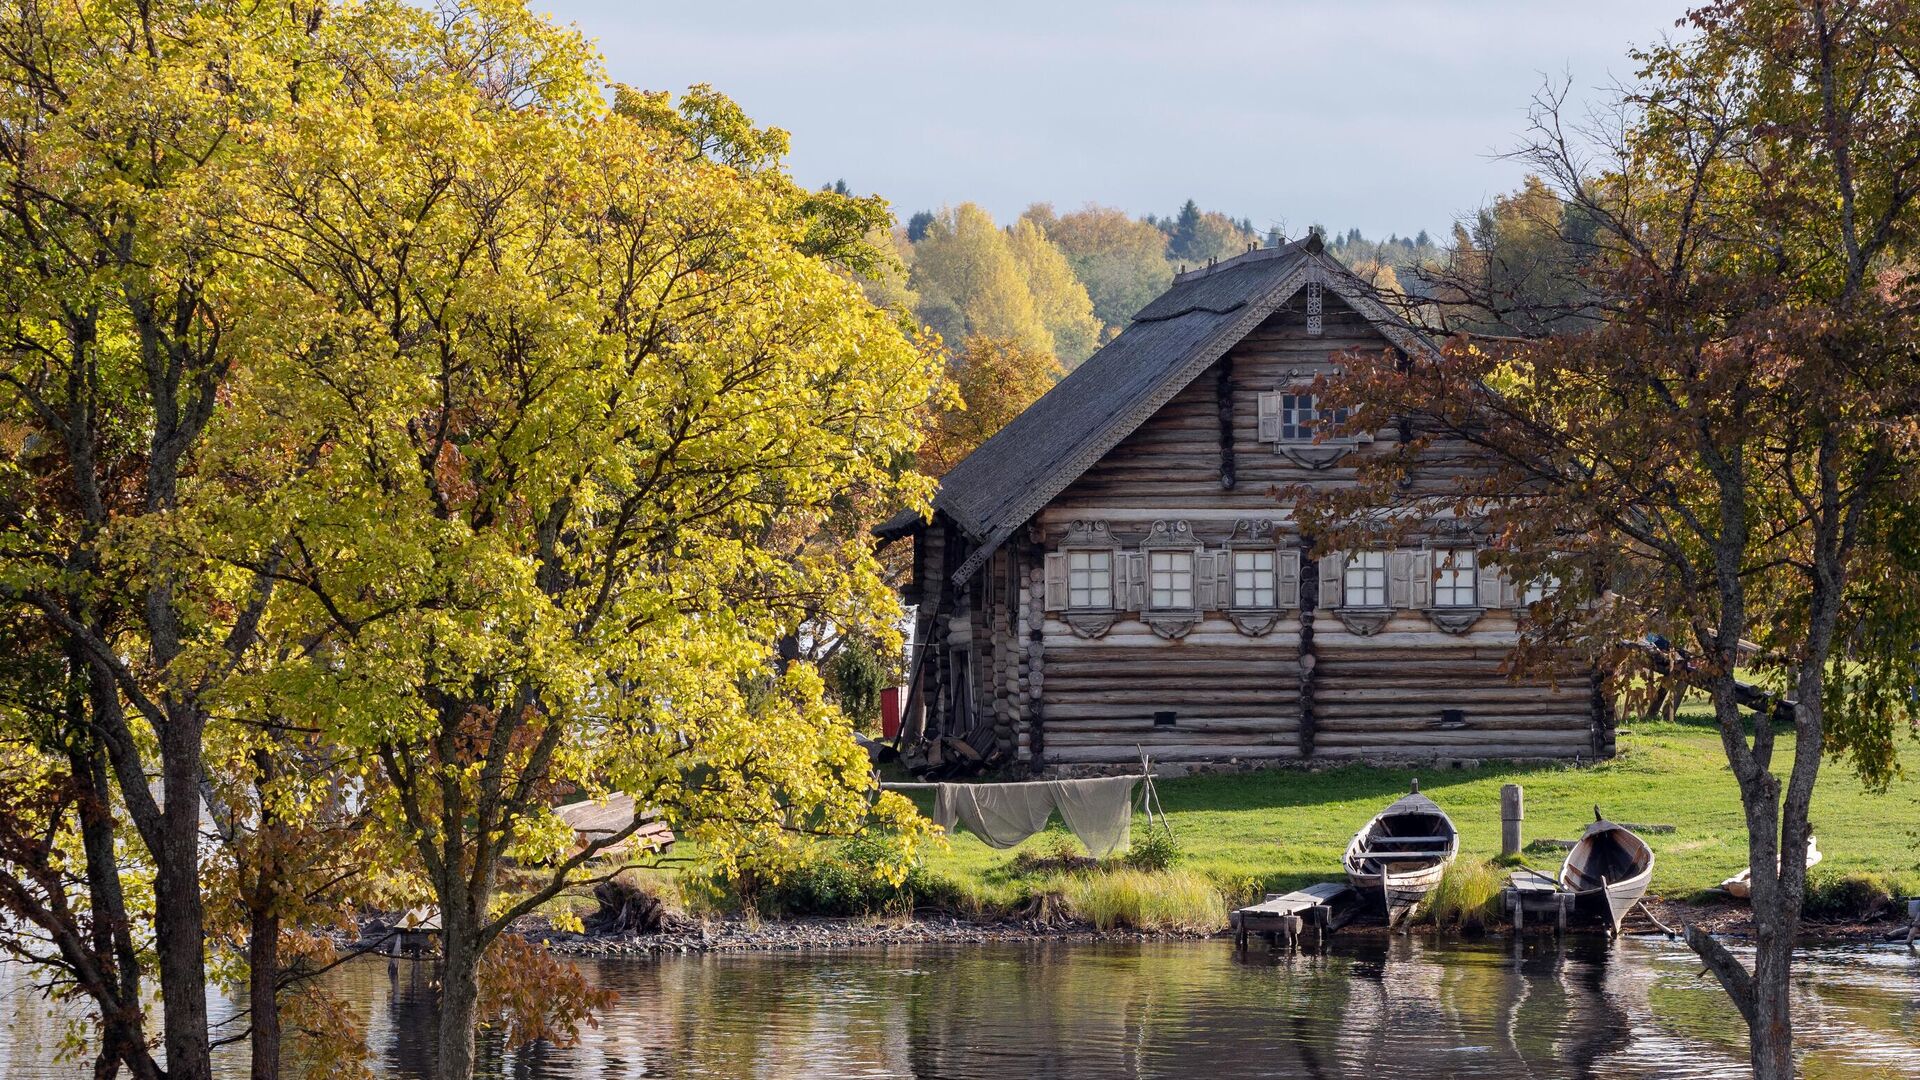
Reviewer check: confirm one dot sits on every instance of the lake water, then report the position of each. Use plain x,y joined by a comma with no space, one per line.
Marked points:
1366,1008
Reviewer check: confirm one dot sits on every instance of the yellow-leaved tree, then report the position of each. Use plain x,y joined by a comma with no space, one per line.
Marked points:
587,376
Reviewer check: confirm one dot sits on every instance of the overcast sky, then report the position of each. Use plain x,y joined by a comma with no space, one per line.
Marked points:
1385,114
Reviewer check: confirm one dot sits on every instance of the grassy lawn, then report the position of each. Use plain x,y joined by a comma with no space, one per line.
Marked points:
1285,828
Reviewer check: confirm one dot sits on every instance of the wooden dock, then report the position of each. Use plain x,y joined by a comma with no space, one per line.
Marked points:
1533,891
1282,917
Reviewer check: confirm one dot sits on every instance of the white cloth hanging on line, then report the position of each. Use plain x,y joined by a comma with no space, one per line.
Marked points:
1098,810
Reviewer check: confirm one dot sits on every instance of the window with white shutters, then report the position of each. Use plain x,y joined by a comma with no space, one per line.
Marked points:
1255,581
1366,580
1090,579
1171,579
1455,578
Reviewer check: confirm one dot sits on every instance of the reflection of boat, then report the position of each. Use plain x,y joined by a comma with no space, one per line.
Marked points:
1400,855
1740,885
1607,871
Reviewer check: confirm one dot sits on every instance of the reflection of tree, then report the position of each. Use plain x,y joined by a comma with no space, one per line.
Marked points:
1362,1008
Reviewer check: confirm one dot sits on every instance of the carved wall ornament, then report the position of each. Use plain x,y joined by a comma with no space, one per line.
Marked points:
1170,533
1091,624
1171,625
1363,622
1455,621
1254,529
1312,456
1454,532
1314,306
1254,623
1088,533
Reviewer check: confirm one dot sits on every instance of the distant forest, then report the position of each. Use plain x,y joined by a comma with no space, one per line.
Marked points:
1016,305
1064,284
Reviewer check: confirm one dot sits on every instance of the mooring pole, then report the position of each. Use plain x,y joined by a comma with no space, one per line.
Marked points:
1512,812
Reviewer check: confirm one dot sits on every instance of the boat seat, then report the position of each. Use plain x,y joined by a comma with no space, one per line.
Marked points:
1427,841
1397,856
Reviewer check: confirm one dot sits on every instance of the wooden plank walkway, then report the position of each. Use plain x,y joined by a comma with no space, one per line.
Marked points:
1531,890
1282,916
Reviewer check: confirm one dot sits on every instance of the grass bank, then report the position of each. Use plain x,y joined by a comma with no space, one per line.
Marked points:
1281,829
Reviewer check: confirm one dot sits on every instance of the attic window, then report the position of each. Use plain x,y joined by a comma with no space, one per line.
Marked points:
1296,416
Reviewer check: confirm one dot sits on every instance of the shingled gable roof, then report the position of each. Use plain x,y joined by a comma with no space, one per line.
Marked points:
1010,477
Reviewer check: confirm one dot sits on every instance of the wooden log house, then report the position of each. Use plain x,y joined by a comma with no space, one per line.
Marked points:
1114,570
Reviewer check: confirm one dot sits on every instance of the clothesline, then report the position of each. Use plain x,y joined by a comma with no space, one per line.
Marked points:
904,785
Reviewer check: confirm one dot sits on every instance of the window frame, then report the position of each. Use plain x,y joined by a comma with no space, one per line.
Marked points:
1354,563
1447,579
1305,432
1112,558
1153,590
1272,571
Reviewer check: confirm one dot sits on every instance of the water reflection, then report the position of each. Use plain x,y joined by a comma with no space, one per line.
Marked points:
1370,1008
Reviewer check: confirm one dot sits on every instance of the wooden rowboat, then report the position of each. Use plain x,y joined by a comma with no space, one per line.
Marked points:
1401,854
1740,885
1607,871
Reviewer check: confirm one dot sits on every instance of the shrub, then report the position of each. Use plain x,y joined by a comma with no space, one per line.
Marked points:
1468,895
1143,900
852,877
1157,850
1832,895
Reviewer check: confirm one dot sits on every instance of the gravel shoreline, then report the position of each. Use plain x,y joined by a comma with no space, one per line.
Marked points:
773,935
738,935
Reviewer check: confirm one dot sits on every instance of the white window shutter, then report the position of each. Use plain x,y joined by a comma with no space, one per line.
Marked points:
1203,581
1420,580
1511,593
1489,592
1287,571
1333,566
1400,579
1136,582
1223,579
1056,576
1269,416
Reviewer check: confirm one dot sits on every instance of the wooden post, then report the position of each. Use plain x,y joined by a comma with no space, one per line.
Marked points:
1512,811
1290,930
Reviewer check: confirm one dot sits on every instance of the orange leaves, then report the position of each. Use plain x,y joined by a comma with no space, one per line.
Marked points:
532,995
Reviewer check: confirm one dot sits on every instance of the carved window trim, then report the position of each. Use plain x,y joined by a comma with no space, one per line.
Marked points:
1085,537
1257,535
1455,618
1171,536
